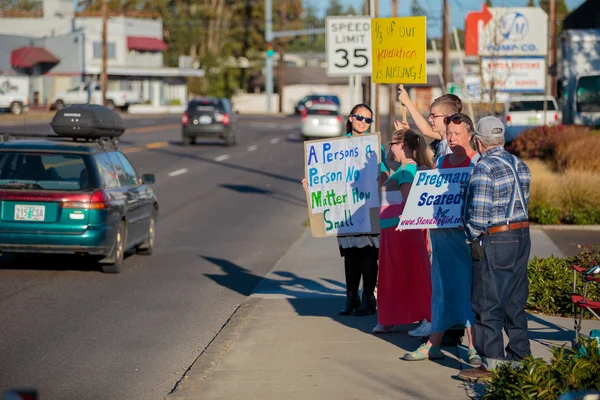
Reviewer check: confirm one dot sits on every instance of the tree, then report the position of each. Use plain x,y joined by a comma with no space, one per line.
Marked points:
417,9
488,3
350,11
309,43
530,3
561,12
335,8
21,5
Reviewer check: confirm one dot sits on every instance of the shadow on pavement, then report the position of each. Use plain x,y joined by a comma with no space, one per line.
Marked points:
275,194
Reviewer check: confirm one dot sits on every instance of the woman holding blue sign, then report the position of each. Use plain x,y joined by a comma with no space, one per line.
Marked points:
404,286
451,262
360,252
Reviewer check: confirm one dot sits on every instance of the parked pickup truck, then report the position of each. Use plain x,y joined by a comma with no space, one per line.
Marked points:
82,95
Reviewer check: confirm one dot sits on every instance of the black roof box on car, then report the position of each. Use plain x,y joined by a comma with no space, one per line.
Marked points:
87,121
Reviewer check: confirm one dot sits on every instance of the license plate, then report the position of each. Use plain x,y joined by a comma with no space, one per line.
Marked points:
532,120
29,213
205,119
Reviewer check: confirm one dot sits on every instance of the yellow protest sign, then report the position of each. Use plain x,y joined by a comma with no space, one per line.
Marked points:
399,50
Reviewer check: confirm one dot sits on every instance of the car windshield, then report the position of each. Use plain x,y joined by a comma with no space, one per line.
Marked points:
531,105
43,171
312,111
206,105
588,94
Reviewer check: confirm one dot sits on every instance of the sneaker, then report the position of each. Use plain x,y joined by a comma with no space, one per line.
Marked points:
383,329
473,358
424,330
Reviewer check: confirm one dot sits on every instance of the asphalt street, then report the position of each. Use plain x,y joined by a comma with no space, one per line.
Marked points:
227,214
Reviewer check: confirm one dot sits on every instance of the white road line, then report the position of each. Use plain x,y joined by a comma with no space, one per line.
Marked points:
274,141
222,158
178,172
252,148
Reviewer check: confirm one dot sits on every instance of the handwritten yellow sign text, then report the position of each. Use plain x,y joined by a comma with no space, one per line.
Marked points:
399,50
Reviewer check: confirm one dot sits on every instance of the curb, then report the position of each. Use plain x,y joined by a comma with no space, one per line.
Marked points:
207,361
595,228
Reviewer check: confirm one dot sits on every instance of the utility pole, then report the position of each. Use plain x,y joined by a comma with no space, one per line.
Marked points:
281,65
392,88
552,55
269,58
367,95
446,44
104,78
377,87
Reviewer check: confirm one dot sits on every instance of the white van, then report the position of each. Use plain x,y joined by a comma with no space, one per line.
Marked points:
14,93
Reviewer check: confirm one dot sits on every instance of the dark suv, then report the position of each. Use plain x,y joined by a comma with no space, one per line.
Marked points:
208,118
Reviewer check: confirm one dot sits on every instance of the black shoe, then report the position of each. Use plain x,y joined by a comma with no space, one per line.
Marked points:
352,303
368,305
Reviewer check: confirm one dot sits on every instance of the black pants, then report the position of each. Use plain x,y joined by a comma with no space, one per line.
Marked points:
361,262
500,291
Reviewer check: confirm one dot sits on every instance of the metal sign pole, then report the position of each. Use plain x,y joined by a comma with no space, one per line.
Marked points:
372,91
269,59
351,85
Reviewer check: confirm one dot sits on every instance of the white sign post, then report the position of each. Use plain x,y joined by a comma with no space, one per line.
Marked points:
435,199
514,31
515,74
348,45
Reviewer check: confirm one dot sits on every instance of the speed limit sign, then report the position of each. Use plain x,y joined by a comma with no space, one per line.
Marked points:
348,43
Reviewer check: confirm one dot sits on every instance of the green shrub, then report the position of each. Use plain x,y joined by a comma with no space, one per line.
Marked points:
544,214
568,370
551,282
535,142
583,216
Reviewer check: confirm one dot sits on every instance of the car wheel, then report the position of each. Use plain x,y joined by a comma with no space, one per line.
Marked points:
188,140
118,252
110,104
59,105
147,248
231,139
16,108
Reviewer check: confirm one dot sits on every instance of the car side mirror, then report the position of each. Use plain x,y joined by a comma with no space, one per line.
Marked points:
148,179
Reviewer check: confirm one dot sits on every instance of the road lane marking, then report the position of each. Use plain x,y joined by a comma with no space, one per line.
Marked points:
222,158
153,128
156,145
274,141
149,146
178,172
252,148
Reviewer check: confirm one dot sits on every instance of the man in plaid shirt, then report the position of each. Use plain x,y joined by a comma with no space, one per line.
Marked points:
496,225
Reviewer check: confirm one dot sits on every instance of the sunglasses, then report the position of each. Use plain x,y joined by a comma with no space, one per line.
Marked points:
393,143
456,119
360,118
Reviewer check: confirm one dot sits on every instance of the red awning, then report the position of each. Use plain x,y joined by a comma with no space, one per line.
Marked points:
142,43
27,57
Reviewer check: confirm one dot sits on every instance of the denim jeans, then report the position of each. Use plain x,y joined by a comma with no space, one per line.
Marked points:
499,293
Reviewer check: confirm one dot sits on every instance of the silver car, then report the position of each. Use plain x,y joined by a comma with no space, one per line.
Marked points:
322,121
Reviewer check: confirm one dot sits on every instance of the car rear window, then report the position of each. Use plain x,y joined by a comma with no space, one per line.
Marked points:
206,105
531,105
43,171
312,111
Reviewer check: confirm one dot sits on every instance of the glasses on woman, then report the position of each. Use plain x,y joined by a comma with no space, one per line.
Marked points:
393,143
360,118
457,119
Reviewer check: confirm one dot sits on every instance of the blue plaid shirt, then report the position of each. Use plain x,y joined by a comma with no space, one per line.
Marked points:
489,193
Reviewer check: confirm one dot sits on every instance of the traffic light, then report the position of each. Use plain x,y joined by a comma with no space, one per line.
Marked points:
269,49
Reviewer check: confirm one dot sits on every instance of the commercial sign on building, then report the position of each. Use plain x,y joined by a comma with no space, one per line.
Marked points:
348,45
507,31
514,74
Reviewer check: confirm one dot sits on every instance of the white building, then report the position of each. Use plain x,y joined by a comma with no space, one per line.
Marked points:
135,53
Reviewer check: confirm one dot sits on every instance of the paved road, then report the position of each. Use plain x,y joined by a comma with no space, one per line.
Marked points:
227,216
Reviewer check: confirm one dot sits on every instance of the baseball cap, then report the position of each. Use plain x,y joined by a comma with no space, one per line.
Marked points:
490,127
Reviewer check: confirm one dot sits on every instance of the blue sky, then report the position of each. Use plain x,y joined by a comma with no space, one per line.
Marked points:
458,9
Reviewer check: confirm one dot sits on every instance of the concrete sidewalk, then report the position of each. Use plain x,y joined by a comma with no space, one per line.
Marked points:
287,341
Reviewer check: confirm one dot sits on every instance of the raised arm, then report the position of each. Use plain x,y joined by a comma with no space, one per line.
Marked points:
421,122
